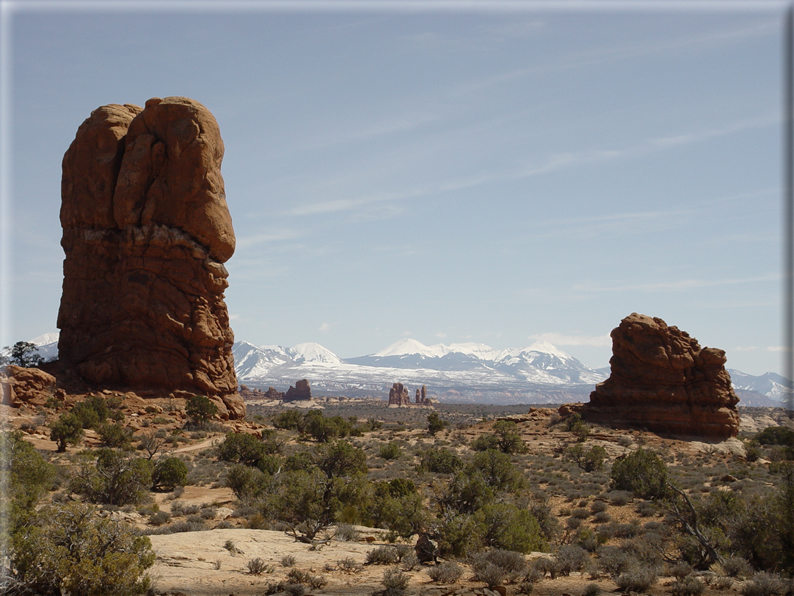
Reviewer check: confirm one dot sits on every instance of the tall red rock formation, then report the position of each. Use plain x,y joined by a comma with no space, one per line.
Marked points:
146,231
662,380
399,396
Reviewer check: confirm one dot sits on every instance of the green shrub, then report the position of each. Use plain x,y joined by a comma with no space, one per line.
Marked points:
507,527
115,436
302,460
395,582
27,475
687,586
70,550
297,576
467,493
168,473
591,590
497,470
390,451
200,410
458,535
614,561
485,442
258,567
159,518
570,558
383,555
241,448
765,584
495,566
447,572
288,420
491,574
736,566
578,427
439,460
114,480
642,473
67,430
509,440
637,579
587,459
247,483
775,435
323,429
403,514
92,411
434,423
341,459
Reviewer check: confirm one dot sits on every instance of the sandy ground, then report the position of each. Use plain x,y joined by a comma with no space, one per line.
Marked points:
198,564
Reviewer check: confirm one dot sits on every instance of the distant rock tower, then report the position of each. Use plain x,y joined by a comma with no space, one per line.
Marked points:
300,392
662,380
399,396
421,397
146,231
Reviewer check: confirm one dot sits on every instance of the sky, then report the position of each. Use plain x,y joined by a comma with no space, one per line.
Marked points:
496,173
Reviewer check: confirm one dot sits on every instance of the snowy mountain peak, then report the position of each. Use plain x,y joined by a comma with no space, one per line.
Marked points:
47,338
411,346
312,352
547,348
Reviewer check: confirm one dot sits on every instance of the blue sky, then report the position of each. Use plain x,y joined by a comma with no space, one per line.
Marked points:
444,173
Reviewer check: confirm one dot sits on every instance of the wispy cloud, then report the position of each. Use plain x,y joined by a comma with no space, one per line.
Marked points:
561,339
324,327
678,285
578,60
265,237
554,163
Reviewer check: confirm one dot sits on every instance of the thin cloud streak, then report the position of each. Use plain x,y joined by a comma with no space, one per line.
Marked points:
677,286
555,163
279,236
561,339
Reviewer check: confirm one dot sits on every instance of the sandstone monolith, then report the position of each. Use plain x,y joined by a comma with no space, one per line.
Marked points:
663,381
399,396
146,230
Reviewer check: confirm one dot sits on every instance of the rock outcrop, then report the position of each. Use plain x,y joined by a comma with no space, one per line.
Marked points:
421,397
663,381
300,392
146,231
275,394
26,385
399,396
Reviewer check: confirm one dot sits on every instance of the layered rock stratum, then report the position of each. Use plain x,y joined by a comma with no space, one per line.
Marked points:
146,231
663,381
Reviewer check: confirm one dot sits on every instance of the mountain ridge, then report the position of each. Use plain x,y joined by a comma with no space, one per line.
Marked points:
467,372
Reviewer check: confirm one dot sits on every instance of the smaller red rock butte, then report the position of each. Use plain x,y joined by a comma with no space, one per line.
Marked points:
663,381
399,396
300,392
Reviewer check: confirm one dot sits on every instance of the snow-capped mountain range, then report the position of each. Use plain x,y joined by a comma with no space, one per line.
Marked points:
465,372
457,372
